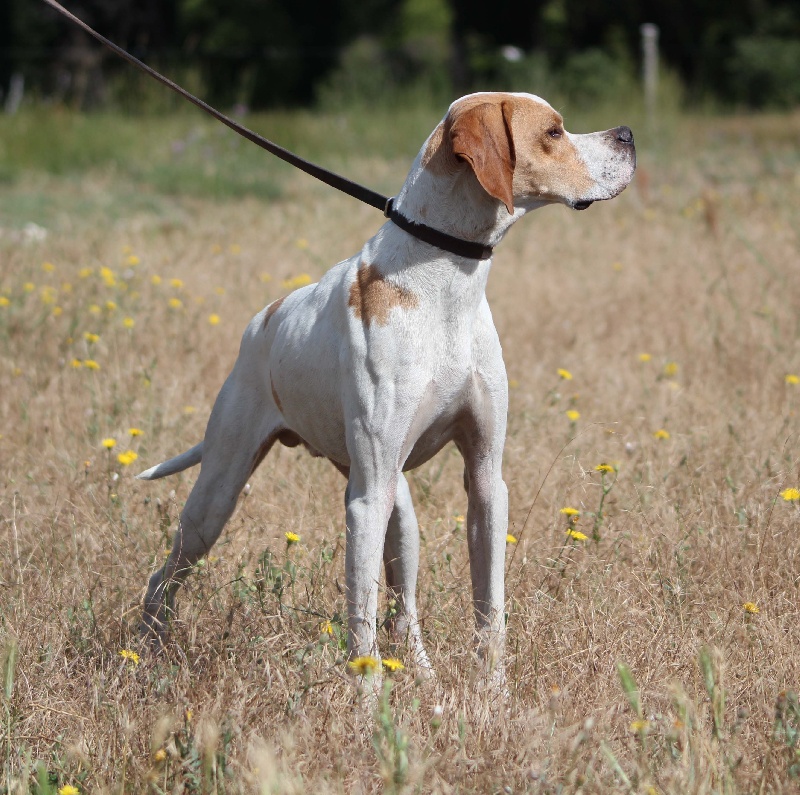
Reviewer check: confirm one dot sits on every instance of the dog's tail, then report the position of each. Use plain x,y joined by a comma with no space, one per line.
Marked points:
183,461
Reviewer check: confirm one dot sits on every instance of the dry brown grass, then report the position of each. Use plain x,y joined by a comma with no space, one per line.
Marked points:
695,265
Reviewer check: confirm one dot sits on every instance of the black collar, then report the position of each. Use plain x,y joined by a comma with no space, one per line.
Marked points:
455,245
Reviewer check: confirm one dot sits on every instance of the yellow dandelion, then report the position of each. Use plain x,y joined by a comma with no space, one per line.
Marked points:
790,494
573,415
364,665
4,300
459,518
645,357
213,319
510,539
291,538
392,664
567,511
751,608
76,363
176,283
670,369
640,725
661,434
85,273
132,260
90,337
48,294
29,287
565,374
128,322
108,276
94,309
156,280
109,443
577,535
175,303
57,311
189,409
135,431
605,468
129,655
160,755
297,281
111,306
792,379
188,715
66,287
91,364
127,458
68,789
219,290
326,628
48,267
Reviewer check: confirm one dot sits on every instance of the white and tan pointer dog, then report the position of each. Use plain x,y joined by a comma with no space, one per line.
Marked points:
392,355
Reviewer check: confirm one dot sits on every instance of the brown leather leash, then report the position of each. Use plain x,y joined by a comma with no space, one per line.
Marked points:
434,237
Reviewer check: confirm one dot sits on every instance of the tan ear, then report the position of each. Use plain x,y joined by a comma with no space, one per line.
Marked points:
481,135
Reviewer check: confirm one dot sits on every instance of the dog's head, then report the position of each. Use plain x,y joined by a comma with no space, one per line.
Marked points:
521,155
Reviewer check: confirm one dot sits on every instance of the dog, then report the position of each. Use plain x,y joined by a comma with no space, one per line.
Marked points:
389,357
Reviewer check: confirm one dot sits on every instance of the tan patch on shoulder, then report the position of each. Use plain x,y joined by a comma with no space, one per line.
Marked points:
275,394
372,296
272,309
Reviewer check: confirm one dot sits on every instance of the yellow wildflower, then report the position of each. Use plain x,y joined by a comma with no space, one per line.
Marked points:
90,337
127,458
76,363
133,260
129,322
213,319
135,431
57,311
66,287
573,415
266,277
94,309
605,468
364,665
291,538
645,357
130,655
219,290
85,273
570,511
326,628
4,300
176,283
565,374
68,789
750,607
29,287
160,755
297,281
392,664
109,443
175,303
188,715
48,267
236,248
459,519
670,369
216,248
661,434
576,534
790,494
301,242
189,409
91,364
511,539
156,280
111,306
108,276
792,379
48,294
640,725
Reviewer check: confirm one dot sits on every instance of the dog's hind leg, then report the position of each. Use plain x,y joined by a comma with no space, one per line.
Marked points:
401,560
242,428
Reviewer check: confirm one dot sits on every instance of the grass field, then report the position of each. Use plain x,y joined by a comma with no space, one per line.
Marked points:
658,334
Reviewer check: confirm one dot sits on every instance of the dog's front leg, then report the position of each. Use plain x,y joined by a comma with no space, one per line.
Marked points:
369,497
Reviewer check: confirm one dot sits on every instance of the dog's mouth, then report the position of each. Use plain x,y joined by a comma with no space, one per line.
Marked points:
582,205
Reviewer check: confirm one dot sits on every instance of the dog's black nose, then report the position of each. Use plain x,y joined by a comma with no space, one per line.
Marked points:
624,135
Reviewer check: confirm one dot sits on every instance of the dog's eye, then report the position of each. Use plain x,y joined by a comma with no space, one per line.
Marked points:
555,132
